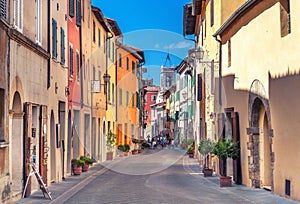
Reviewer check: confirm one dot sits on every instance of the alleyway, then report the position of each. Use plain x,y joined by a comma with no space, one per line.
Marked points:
166,176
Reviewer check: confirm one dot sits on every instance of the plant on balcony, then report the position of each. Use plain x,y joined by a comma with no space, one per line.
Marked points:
205,147
225,149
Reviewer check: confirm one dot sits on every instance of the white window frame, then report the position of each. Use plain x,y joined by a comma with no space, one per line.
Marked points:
39,20
18,15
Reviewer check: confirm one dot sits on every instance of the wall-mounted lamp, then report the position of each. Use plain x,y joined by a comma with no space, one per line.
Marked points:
106,79
67,91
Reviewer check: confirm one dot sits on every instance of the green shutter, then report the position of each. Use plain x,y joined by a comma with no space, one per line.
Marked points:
78,13
62,46
71,8
193,80
54,39
120,95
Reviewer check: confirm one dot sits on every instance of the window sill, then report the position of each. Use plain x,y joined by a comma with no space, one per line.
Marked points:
3,144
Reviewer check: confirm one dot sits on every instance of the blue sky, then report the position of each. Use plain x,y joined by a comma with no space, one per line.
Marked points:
154,26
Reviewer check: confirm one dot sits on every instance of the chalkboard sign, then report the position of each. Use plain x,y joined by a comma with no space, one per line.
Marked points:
39,179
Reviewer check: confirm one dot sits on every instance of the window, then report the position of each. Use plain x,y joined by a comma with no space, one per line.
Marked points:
127,63
99,37
62,46
120,60
132,100
94,73
71,8
153,98
54,39
127,98
229,53
38,34
82,12
94,31
132,130
133,66
3,8
120,95
18,14
77,66
108,91
2,114
78,13
71,61
113,93
285,17
212,8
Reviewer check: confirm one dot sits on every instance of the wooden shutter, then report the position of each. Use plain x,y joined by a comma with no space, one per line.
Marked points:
3,8
43,144
78,13
62,46
71,61
27,142
199,93
71,8
54,39
212,8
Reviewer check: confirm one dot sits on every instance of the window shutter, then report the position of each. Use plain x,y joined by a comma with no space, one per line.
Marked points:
77,67
78,13
212,19
71,8
3,8
199,95
62,46
132,100
71,61
54,39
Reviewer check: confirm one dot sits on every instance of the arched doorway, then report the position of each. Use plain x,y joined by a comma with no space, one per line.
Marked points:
17,175
260,139
52,147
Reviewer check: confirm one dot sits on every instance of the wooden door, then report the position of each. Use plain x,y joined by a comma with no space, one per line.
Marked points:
43,152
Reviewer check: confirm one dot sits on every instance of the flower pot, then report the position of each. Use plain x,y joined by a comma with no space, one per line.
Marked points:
207,172
191,155
125,153
85,167
76,169
109,155
133,152
139,151
121,154
225,181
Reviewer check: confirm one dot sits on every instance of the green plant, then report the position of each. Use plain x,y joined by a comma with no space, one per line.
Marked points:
205,147
190,142
225,149
78,162
126,147
121,148
86,160
190,151
111,141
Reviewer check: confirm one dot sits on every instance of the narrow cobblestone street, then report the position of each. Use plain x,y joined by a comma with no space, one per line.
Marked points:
172,177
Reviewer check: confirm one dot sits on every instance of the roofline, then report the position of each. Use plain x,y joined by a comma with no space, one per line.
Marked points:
235,16
102,21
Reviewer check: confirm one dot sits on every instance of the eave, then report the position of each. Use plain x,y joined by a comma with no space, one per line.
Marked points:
100,17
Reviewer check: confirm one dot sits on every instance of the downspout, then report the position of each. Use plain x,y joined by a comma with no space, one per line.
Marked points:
116,79
106,64
220,69
48,46
80,65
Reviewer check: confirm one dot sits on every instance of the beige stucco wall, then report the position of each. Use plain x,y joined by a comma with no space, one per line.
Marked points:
256,50
59,79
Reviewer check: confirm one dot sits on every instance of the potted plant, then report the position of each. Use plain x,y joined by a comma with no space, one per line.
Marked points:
126,149
205,147
135,142
110,143
87,162
121,149
191,149
225,149
77,166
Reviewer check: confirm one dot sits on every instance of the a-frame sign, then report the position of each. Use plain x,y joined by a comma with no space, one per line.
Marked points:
43,187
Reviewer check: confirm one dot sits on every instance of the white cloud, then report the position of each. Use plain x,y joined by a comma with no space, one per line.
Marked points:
156,46
179,45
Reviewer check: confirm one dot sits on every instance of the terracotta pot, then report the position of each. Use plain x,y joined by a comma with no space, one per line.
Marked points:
125,153
85,167
207,172
225,181
76,169
139,151
133,152
109,156
121,154
191,155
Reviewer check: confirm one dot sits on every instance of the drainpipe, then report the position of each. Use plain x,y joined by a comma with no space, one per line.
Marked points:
106,64
48,46
220,69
